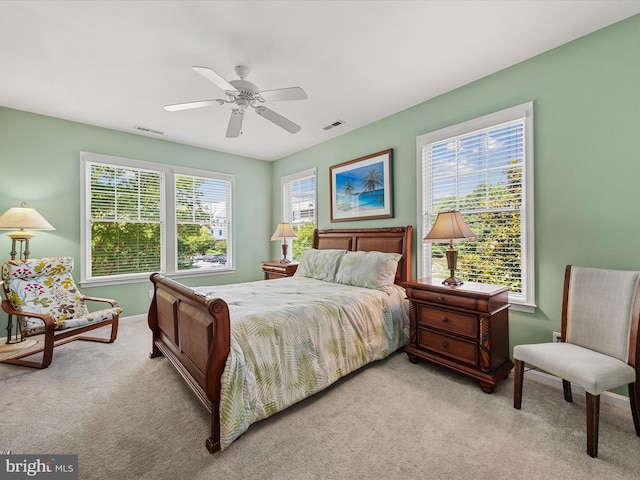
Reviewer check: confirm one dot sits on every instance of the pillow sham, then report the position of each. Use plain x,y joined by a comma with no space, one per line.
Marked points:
375,270
319,264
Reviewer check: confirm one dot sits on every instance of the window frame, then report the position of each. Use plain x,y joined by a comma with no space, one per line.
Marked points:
168,222
287,180
526,300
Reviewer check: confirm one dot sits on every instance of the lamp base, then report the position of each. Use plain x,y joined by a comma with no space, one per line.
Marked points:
10,347
452,265
24,240
285,248
452,281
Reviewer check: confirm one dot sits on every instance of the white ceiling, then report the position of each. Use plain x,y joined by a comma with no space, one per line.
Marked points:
116,64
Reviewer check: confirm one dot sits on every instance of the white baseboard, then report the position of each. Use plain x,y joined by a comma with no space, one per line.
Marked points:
606,397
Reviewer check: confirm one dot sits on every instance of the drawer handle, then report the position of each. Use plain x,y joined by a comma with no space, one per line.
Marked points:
445,344
444,319
441,299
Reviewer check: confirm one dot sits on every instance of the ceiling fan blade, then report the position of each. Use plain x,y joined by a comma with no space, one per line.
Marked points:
235,123
282,94
215,78
278,119
186,106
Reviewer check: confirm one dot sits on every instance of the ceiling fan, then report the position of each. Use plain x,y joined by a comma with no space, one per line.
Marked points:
243,94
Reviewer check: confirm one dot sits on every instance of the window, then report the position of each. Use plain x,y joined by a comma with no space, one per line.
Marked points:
202,206
484,169
141,217
299,209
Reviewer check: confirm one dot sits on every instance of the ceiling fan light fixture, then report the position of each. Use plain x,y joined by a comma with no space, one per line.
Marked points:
241,71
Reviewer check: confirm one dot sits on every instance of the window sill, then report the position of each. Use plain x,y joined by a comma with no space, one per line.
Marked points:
103,282
520,307
199,273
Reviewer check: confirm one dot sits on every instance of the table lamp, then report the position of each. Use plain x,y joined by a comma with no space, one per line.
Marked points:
20,218
283,231
450,226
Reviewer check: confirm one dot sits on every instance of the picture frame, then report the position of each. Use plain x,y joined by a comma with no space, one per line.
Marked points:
362,189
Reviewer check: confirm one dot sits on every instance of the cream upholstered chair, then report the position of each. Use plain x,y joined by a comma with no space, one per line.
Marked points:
42,294
599,347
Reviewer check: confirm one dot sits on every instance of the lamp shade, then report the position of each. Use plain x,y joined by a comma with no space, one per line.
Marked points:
283,230
23,217
450,226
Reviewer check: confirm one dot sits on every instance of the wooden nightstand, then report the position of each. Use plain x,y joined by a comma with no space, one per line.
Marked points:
275,269
464,328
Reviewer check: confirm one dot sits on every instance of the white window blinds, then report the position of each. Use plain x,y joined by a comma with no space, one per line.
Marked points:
202,217
299,200
125,220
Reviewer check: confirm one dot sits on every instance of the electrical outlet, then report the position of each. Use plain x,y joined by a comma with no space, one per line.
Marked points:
151,293
556,337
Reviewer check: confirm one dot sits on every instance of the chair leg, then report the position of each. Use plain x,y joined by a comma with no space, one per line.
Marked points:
114,329
111,339
566,388
593,420
634,399
47,352
518,377
49,344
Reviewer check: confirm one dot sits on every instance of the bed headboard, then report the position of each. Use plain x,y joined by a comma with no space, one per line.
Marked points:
386,239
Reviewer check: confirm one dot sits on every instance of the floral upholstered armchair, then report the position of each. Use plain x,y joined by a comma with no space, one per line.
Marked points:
44,297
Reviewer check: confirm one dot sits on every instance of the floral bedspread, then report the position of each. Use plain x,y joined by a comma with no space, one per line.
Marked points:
292,337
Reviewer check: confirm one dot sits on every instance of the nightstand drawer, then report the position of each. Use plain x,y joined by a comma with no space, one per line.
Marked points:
277,269
448,320
452,347
443,299
282,269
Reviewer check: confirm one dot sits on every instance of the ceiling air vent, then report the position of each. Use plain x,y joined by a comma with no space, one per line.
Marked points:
337,123
148,130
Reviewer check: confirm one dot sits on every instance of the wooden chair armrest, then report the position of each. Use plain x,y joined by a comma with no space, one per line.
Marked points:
104,300
6,306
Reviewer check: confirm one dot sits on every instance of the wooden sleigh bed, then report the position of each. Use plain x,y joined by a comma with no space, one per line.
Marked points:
193,329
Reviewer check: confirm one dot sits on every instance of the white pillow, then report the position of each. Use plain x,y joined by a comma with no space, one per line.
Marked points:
368,269
320,264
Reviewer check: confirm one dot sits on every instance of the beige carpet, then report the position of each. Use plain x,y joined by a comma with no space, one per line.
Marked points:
131,417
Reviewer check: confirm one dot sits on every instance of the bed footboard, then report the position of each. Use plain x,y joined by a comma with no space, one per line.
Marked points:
193,332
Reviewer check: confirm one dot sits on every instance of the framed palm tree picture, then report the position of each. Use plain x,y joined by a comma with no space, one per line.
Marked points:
362,189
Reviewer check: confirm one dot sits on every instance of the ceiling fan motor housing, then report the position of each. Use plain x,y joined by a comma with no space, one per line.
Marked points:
247,91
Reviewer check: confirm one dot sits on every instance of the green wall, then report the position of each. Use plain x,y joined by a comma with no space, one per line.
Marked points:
40,165
586,97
